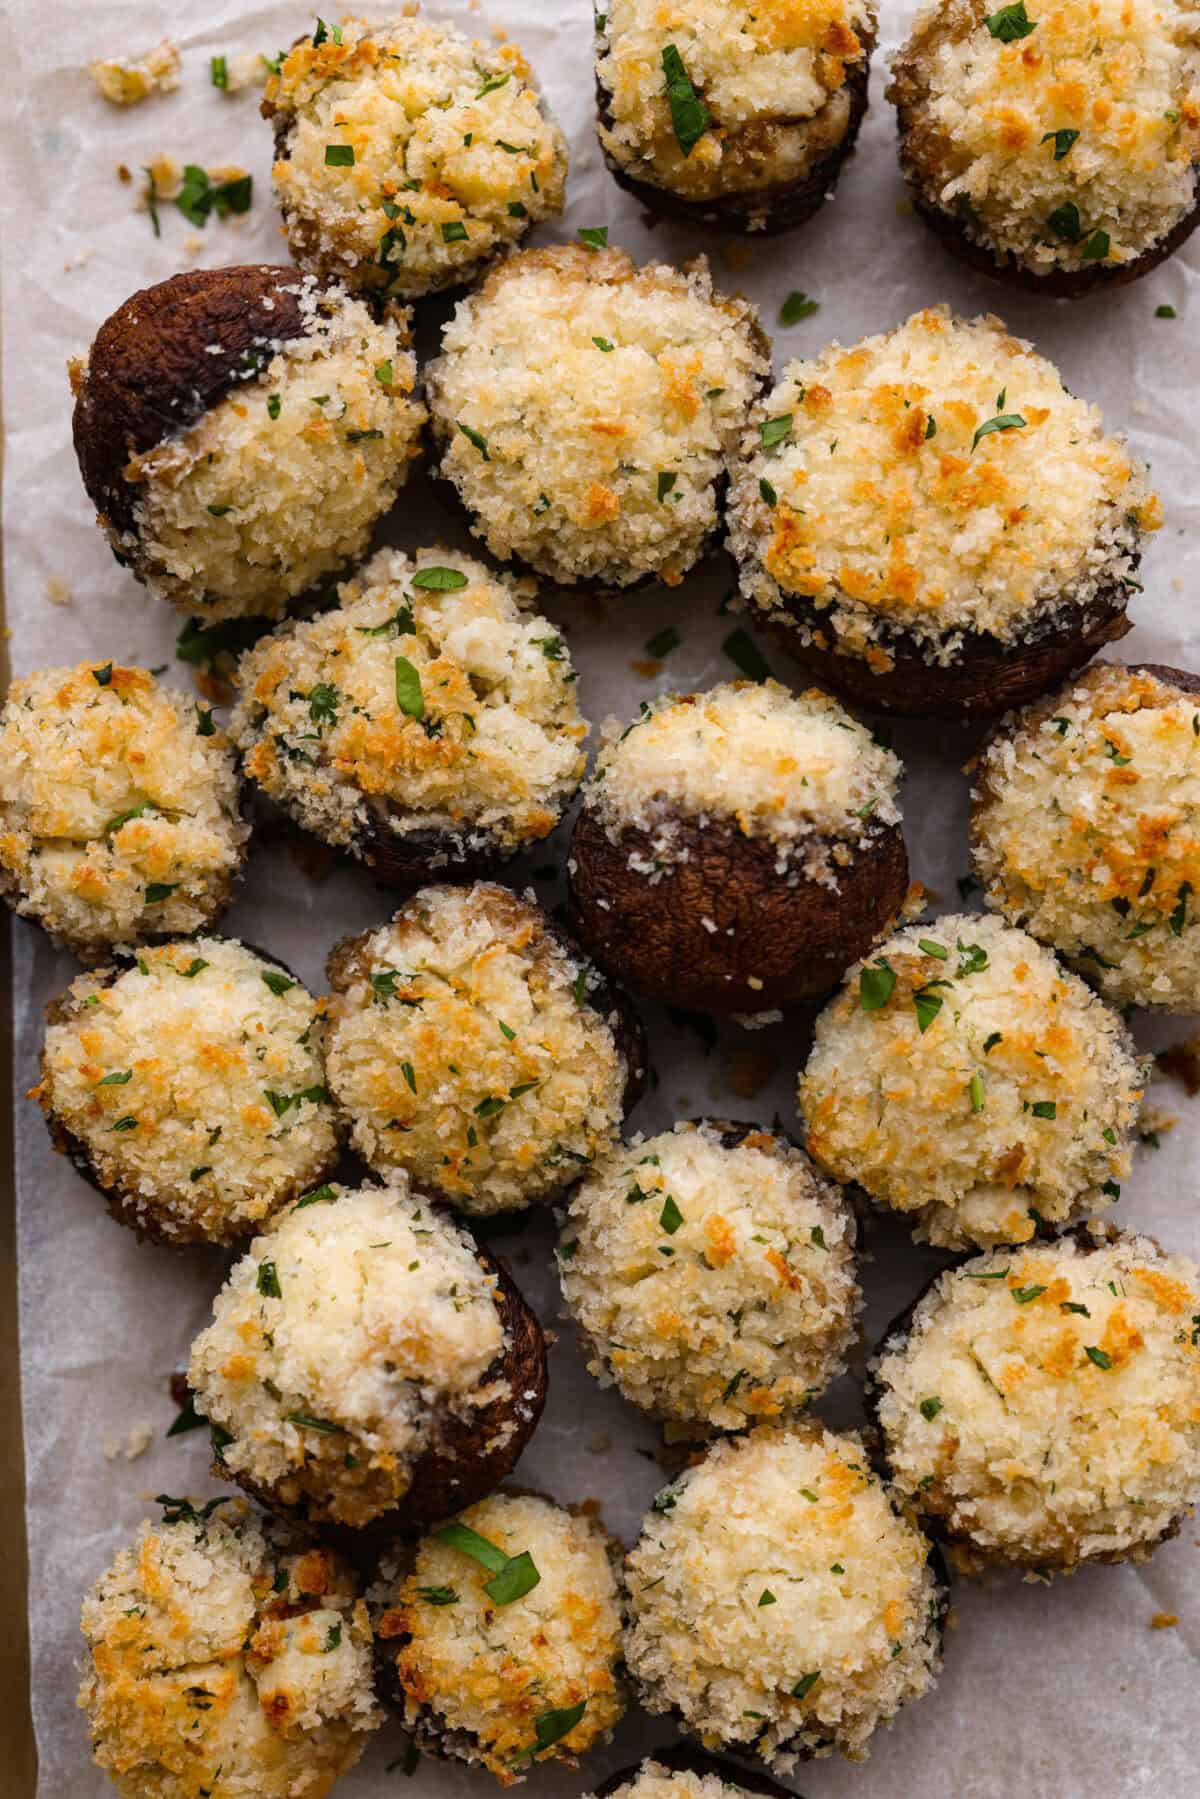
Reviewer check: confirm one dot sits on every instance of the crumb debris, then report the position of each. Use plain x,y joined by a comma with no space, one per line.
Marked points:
135,1443
1164,1620
129,83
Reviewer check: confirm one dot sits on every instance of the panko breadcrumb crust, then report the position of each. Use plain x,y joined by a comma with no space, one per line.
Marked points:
449,155
224,1655
711,1271
186,1085
241,430
472,1677
471,1045
932,522
1060,153
782,1604
963,1078
1085,829
685,1772
736,849
120,809
785,90
582,407
478,763
1040,1405
377,1407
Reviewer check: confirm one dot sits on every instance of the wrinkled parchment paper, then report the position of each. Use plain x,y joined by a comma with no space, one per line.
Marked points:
1065,1691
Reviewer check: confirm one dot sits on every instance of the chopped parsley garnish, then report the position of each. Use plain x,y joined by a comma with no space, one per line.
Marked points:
440,580
1178,917
198,197
797,306
975,1090
339,156
594,236
766,1597
323,1195
218,71
602,343
475,438
409,696
1003,421
1165,312
278,983
933,949
454,232
1071,1305
1100,1357
492,82
1062,141
103,676
306,1421
333,1637
187,1418
930,1407
1044,1108
281,1103
663,642
689,114
875,986
116,1080
176,1511
974,959
204,722
268,1281
1026,1295
406,1069
1065,222
401,624
1011,23
518,1576
514,1575
670,1217
438,1595
666,481
1097,247
199,643
745,654
768,492
323,704
774,431
805,1684
928,1005
383,373
158,891
990,1042
550,1727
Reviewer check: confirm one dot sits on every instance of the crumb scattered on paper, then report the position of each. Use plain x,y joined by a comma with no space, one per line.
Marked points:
135,1443
57,591
129,83
1164,1621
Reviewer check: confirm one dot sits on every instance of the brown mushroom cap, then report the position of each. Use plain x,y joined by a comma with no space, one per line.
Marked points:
791,937
167,356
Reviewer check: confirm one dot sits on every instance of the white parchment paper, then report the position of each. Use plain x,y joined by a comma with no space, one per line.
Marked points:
1065,1691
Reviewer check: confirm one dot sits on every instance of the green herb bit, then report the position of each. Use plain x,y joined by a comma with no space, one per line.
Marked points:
745,654
469,1542
1065,222
218,71
1165,312
933,949
1100,1357
339,156
1026,1295
1062,141
670,1217
990,1042
306,1421
603,344
876,985
690,117
797,306
268,1281
116,1080
492,82
805,1684
278,983
409,696
1097,247
187,1418
158,891
928,1005
931,1407
438,1595
1004,421
454,232
775,430
768,492
666,482
976,1093
1011,23
518,1576
475,438
440,580
594,236
1044,1108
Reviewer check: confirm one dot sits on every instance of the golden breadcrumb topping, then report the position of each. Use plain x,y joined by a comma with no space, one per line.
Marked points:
1086,830
936,480
780,1603
714,1281
129,83
409,155
772,81
653,1780
1044,1403
119,813
432,698
488,1672
793,768
463,1048
584,406
1065,133
963,1077
341,1343
194,1081
224,1657
281,481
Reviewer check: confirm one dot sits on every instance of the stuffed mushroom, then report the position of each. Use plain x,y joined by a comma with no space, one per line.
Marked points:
737,848
685,1772
1054,146
409,156
965,1080
582,407
471,1047
240,431
367,1364
427,721
711,1271
934,524
782,1606
729,116
225,1656
1041,1406
499,1640
187,1085
1086,830
120,809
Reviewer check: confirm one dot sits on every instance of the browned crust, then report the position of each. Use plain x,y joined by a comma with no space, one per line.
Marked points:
465,1461
760,212
125,1206
988,676
151,372
611,267
346,960
796,940
965,1555
909,93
